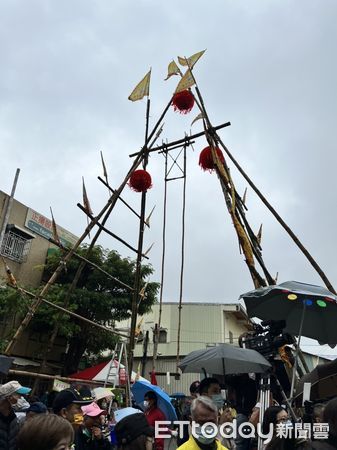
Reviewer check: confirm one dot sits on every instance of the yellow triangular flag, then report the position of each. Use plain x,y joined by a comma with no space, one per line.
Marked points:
191,60
86,202
54,228
138,329
105,173
199,116
172,69
186,82
142,88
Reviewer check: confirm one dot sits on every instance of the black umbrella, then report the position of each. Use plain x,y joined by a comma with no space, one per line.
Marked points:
303,306
323,381
224,359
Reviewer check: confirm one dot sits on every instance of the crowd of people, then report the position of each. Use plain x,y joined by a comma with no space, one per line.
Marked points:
207,421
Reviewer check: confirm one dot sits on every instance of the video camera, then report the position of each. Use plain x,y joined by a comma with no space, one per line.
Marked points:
267,338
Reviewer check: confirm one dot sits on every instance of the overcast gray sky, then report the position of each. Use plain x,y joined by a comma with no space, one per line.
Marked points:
67,68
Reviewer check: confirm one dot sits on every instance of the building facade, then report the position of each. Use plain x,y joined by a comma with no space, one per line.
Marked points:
202,325
24,248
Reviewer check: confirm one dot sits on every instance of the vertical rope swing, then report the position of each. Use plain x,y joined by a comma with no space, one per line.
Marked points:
182,263
157,330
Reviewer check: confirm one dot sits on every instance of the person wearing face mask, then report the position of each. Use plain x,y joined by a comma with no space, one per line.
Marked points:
153,414
203,410
21,407
67,404
103,397
9,424
90,436
210,387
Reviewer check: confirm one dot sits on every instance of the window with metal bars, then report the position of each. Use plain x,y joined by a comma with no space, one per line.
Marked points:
15,247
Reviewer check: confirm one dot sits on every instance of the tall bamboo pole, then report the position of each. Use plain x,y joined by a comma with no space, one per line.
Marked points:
138,275
157,328
182,265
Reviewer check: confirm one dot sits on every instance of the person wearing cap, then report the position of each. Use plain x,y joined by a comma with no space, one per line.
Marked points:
133,432
67,404
9,424
89,435
35,409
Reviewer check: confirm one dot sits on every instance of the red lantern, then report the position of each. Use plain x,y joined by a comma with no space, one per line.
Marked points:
183,101
206,159
140,181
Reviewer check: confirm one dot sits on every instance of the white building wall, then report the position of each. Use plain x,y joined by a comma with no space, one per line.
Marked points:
202,325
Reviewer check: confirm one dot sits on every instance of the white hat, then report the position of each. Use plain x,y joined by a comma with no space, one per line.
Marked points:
9,388
102,392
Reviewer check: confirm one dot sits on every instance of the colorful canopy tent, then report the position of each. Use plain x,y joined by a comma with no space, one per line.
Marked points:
101,370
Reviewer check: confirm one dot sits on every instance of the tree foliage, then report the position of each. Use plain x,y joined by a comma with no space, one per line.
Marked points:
96,297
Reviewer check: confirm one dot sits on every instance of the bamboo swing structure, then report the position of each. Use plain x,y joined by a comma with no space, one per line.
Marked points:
248,241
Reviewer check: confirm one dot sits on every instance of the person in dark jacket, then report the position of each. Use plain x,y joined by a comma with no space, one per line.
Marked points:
134,433
89,435
9,425
186,414
329,417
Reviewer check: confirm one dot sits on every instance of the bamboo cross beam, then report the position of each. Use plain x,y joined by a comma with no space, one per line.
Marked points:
187,143
81,258
185,139
44,376
120,198
66,311
103,228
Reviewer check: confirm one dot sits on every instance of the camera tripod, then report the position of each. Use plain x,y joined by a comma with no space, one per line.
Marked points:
264,396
